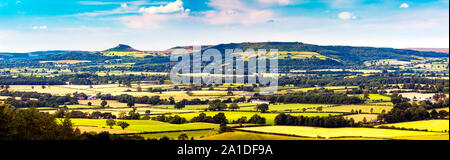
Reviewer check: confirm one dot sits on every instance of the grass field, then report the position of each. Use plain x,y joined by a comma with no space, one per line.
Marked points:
430,125
287,107
376,97
145,125
338,132
270,117
363,108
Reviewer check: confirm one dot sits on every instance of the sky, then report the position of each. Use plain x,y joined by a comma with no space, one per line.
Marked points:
94,25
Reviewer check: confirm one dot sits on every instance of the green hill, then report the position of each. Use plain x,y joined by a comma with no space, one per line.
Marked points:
348,54
122,48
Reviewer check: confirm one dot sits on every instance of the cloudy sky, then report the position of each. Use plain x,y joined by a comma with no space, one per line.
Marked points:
31,25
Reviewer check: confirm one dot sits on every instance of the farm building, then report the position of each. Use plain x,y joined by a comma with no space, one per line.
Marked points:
257,101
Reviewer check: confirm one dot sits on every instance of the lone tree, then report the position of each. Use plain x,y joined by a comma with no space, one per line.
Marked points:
123,124
110,123
319,109
262,107
104,103
89,103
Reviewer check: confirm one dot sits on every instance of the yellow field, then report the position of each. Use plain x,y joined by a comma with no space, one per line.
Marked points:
429,137
431,125
338,132
239,135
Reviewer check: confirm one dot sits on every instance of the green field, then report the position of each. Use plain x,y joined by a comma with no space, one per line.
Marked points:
430,125
338,132
270,117
376,97
287,107
203,107
145,125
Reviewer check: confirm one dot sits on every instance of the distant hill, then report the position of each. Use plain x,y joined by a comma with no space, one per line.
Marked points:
31,55
348,54
320,56
122,48
91,56
439,50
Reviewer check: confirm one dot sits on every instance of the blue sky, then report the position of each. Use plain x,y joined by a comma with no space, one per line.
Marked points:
31,25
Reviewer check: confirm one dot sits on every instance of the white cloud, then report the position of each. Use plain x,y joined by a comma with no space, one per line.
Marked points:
124,5
40,27
172,7
346,16
139,2
125,8
150,21
404,5
235,12
153,17
280,2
